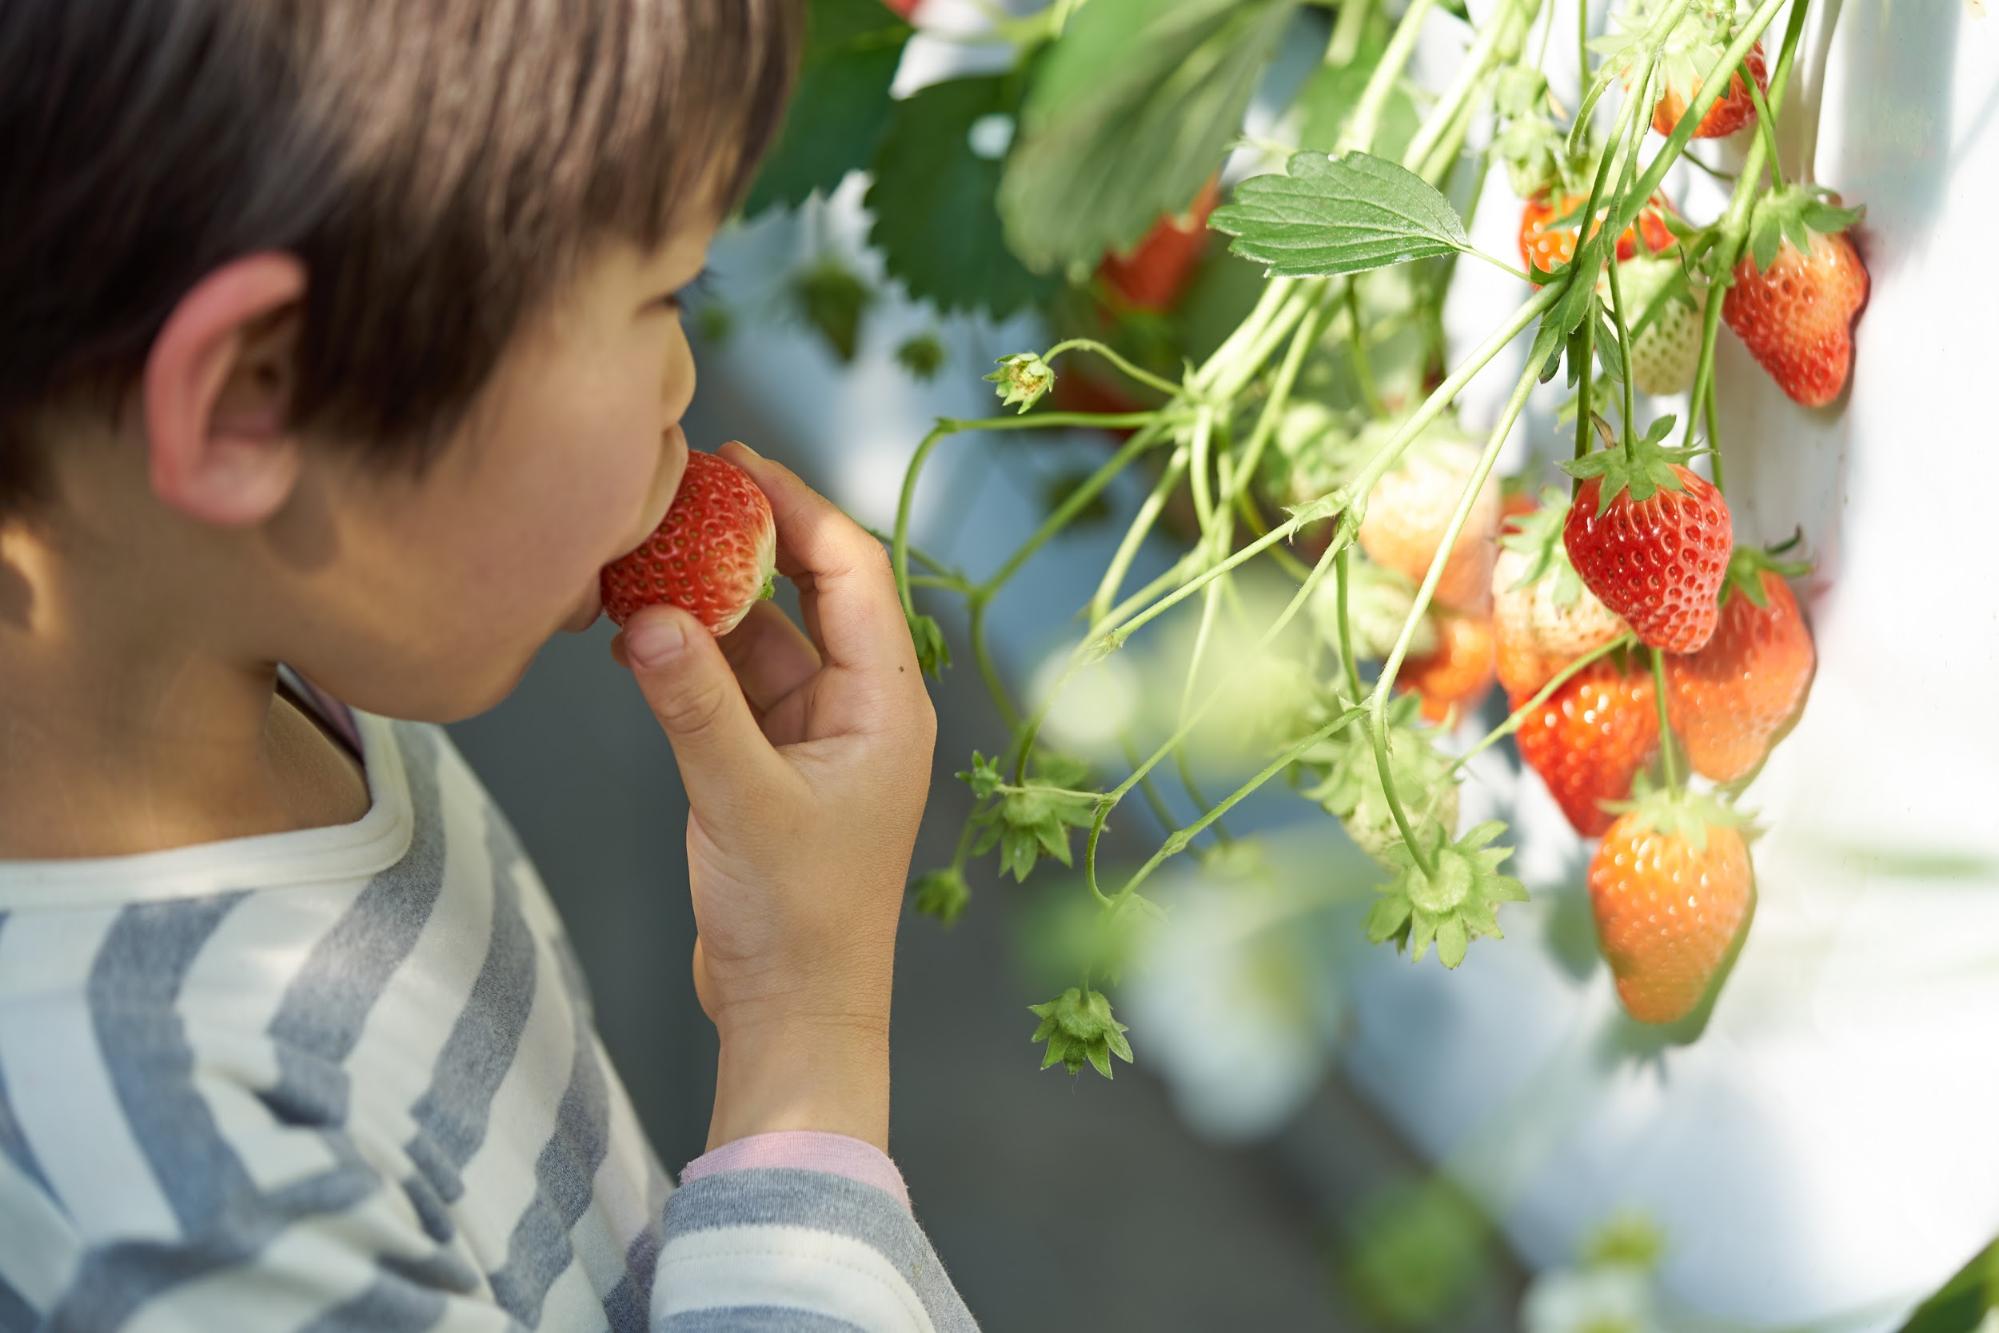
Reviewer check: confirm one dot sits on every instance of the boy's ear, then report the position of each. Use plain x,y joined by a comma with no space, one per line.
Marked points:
217,393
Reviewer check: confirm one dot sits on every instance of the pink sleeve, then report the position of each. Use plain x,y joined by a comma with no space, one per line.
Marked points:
808,1150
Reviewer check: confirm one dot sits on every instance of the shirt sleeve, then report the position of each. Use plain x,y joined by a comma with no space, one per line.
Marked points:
750,1244
808,1150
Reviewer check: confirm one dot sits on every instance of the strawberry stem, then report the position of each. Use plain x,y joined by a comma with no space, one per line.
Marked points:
1363,371
1666,759
1347,659
1624,358
1110,354
1767,131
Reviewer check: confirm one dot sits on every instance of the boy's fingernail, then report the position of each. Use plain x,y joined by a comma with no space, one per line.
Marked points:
746,449
655,641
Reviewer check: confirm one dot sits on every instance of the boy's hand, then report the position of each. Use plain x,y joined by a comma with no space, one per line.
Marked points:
807,767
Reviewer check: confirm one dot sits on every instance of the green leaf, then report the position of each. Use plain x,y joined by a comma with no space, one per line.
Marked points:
1129,114
841,104
1346,215
1962,1302
933,652
934,201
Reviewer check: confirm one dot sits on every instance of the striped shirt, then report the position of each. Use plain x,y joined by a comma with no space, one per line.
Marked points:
348,1078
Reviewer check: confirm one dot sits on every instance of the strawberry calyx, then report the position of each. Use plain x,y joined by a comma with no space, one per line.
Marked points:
1692,47
1681,813
1747,565
1451,905
1791,215
1022,378
1080,1029
1643,466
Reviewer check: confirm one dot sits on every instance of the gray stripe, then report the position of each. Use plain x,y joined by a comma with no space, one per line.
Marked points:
786,1196
16,1315
134,983
756,1319
629,1306
328,1002
506,849
452,1114
14,1145
387,1306
565,1173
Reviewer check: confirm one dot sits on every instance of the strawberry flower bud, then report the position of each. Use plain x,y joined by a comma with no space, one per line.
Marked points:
1022,378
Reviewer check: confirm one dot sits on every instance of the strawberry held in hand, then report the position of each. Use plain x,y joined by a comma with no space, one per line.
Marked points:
1797,292
1732,700
714,554
1671,887
1651,538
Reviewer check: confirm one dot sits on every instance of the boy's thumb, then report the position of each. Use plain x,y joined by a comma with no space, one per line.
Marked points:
694,694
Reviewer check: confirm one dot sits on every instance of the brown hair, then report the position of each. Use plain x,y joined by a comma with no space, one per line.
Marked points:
439,167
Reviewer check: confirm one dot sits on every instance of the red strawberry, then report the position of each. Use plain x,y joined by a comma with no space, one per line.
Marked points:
1797,293
1152,275
1730,112
1591,737
1651,539
1671,888
906,8
1459,671
1732,700
1546,245
714,554
1411,507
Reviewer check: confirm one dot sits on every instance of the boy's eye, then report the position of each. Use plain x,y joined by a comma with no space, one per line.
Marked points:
693,289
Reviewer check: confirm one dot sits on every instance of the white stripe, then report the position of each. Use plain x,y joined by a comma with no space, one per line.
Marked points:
407,1028
500,1179
62,1093
233,990
313,1266
799,1267
41,1252
622,1194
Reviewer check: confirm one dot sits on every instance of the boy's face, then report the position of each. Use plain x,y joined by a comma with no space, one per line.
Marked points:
433,595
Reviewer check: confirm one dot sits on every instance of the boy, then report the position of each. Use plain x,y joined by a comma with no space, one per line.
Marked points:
340,350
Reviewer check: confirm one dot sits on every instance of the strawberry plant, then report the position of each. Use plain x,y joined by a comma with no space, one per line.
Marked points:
1279,387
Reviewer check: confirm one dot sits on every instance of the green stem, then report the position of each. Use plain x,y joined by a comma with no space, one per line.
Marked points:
1624,358
899,552
1148,789
1518,716
1348,661
1202,461
1347,30
1365,121
1277,294
1584,407
1582,46
1177,842
1286,561
1666,759
1201,802
1487,50
1110,354
1363,367
1075,502
1714,444
988,671
1767,131
1134,537
1421,854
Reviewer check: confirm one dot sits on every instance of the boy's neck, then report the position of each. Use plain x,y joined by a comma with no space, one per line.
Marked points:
112,747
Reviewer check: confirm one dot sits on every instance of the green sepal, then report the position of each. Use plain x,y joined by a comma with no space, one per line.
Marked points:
933,653
1643,469
1681,813
1791,215
1451,905
1746,566
942,894
1080,1029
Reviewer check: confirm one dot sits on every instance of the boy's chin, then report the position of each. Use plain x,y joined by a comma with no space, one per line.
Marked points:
588,608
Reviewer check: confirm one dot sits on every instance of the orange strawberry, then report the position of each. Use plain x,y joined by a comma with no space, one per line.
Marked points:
1730,112
1546,244
1459,671
1797,293
1671,888
1732,700
1651,538
1591,737
1411,507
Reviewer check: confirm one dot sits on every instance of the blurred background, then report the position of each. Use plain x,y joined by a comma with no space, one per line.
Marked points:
1316,1134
